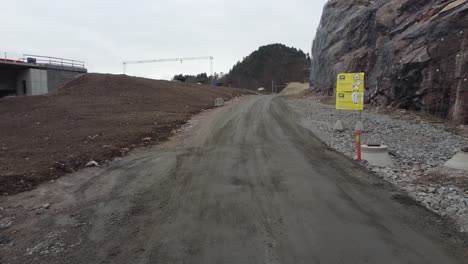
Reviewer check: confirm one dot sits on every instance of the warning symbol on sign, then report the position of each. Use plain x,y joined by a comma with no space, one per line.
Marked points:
350,91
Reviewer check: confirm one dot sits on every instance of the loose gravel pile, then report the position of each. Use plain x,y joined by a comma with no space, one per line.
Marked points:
418,148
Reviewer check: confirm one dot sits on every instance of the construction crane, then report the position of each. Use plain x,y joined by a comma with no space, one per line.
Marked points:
168,60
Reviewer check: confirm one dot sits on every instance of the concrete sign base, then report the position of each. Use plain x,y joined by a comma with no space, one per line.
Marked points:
219,102
459,161
377,155
339,126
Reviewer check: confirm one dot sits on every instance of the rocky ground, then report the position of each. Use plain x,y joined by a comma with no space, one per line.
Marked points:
418,148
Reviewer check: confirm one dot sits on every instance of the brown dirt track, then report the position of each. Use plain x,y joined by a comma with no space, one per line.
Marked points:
96,117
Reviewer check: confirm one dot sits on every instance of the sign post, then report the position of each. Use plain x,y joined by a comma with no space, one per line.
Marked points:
358,145
350,97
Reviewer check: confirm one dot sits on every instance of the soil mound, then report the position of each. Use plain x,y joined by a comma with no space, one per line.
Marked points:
95,117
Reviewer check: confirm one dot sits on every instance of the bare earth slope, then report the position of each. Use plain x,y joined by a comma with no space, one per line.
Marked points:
245,184
98,116
295,90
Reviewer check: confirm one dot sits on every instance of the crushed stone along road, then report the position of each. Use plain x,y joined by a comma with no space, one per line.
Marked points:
244,184
418,148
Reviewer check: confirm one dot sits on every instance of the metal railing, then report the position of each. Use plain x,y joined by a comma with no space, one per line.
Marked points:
38,59
11,57
54,61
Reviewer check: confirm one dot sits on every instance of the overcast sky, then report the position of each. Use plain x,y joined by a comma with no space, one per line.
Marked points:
104,33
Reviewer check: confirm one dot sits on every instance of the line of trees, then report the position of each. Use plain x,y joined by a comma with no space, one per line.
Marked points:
202,78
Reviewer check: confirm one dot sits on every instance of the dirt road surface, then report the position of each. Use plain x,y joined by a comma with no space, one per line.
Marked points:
244,183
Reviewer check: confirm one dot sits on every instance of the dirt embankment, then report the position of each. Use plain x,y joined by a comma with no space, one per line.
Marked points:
296,90
96,117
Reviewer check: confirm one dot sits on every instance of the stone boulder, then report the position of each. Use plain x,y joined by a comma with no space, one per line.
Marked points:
218,102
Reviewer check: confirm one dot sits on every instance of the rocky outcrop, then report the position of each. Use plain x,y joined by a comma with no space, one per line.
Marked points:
414,53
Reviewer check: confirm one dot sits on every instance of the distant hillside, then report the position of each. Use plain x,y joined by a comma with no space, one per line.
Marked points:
275,62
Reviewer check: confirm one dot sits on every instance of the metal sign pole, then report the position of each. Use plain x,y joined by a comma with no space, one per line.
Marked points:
360,123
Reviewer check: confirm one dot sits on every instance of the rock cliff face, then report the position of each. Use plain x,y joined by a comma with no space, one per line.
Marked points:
414,52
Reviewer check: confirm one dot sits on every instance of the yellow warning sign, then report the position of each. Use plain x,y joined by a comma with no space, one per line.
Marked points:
350,91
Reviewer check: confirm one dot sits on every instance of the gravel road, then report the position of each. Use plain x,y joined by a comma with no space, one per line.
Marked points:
245,183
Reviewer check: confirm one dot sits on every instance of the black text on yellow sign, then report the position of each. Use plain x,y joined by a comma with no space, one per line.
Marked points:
350,91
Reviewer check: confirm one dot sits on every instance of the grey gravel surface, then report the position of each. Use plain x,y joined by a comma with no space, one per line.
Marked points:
418,148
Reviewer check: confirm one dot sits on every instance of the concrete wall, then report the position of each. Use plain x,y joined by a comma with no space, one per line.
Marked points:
35,80
39,82
57,78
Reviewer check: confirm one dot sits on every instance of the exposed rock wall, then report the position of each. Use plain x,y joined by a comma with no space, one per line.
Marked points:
414,52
